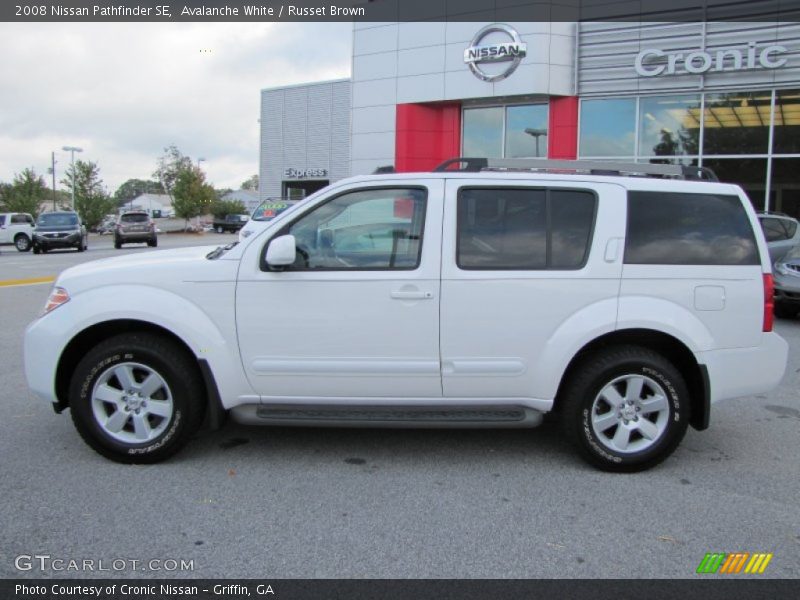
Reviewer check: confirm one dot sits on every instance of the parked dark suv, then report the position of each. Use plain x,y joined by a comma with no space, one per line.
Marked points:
135,226
62,229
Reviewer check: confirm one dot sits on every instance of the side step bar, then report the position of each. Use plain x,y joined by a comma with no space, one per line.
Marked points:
464,417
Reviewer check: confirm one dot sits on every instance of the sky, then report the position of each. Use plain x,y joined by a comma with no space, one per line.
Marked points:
123,92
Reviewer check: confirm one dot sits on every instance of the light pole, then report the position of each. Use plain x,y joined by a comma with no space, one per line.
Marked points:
73,150
537,133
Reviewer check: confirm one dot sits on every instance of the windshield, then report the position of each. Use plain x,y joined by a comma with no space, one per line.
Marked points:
268,210
57,220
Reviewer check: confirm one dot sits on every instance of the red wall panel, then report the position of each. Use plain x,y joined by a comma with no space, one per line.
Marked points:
426,135
562,138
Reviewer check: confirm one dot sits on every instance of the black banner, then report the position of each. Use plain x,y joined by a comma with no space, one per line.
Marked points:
398,10
731,588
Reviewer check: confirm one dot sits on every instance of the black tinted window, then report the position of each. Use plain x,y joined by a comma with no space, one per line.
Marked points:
19,219
507,228
688,229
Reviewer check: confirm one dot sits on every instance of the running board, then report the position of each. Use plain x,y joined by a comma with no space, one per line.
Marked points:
464,417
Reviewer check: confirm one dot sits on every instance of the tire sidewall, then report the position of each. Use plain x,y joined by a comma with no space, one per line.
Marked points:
86,375
26,242
677,399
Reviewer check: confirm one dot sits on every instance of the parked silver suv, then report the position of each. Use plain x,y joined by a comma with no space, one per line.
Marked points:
782,233
135,226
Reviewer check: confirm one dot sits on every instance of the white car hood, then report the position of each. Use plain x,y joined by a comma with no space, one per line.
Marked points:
163,268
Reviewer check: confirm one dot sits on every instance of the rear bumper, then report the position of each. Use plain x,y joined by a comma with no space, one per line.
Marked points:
738,372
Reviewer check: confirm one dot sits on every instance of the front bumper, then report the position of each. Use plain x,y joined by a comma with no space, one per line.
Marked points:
68,241
787,288
41,355
738,372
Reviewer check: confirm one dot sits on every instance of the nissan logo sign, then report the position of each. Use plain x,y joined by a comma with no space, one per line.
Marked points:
511,52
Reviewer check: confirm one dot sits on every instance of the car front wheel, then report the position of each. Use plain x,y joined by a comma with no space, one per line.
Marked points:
626,409
135,398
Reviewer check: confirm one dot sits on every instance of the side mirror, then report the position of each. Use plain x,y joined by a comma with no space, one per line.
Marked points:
282,251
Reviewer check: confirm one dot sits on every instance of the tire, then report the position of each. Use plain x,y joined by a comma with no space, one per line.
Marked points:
80,247
36,249
612,436
220,229
117,243
153,243
785,311
97,393
22,242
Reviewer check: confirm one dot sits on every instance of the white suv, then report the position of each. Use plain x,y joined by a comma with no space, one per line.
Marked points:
17,229
627,305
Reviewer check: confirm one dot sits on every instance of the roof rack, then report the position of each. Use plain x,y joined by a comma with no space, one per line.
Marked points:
475,165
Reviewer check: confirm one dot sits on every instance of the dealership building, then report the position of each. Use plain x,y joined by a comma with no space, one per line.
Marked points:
724,95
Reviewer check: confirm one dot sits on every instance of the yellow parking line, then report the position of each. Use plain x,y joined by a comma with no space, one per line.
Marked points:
29,281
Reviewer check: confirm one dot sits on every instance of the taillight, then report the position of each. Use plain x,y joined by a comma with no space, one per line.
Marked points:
769,301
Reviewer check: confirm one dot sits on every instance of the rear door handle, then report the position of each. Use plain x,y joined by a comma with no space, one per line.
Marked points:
411,295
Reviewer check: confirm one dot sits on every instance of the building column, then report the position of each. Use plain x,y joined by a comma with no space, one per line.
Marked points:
426,135
562,135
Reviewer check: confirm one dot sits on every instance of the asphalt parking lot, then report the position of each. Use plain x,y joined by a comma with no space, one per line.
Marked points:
261,502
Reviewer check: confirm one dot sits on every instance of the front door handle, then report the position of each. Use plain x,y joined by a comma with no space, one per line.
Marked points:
411,295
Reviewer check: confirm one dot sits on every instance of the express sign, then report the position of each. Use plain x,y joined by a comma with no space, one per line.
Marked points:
304,173
653,62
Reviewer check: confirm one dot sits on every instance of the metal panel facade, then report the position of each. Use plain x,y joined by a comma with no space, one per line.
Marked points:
607,56
304,127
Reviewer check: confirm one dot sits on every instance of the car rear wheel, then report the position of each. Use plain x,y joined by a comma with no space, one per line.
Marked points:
117,243
220,229
136,398
22,242
152,243
626,409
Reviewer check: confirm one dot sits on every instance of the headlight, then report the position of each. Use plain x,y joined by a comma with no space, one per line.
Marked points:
781,268
58,296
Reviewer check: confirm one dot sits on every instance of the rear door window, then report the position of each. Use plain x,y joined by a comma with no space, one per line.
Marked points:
524,228
672,228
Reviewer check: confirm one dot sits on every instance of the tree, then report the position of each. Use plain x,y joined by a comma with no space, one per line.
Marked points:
26,194
134,187
170,165
251,184
192,195
91,200
220,208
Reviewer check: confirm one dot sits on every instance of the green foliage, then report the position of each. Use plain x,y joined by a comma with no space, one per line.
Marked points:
169,166
192,195
135,187
26,194
220,208
91,200
251,184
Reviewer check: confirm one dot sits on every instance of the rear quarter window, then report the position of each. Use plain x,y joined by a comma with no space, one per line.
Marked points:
670,228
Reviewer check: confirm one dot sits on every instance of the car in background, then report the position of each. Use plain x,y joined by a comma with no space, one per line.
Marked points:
263,214
59,229
230,223
17,229
787,284
782,233
135,226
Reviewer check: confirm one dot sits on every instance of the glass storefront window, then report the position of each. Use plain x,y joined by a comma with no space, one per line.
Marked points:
750,173
526,131
785,186
736,123
787,122
608,127
669,125
483,132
